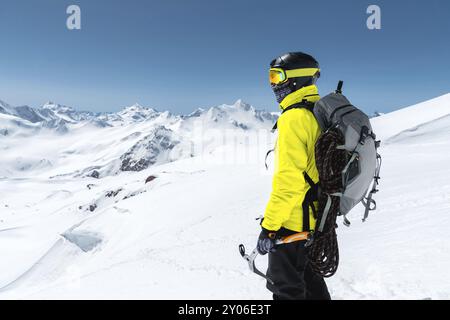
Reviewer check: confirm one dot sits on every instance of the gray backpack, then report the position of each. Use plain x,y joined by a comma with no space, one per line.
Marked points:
363,167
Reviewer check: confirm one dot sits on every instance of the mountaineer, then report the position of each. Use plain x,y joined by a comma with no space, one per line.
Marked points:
293,200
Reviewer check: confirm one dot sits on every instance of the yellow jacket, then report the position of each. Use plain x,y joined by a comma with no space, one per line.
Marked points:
298,131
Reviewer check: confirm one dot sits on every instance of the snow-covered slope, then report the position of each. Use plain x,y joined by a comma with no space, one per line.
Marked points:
176,236
10,125
391,124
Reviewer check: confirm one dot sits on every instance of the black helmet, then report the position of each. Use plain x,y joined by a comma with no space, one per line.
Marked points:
291,72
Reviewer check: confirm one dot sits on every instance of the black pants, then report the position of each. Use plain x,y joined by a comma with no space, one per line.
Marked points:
292,275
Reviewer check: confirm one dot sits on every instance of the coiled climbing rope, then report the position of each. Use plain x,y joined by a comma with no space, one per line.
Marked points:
323,251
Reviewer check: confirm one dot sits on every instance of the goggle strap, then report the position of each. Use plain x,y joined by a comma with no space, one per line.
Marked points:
297,73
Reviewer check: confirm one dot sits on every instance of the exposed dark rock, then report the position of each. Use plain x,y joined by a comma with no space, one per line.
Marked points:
239,125
91,207
376,114
129,164
113,193
150,179
147,151
133,194
95,174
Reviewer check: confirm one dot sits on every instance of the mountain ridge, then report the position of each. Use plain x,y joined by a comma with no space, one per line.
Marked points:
85,144
131,139
51,110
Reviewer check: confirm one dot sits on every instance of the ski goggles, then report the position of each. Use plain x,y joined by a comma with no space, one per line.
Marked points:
278,76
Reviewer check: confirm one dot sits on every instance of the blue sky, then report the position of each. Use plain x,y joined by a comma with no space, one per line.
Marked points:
183,54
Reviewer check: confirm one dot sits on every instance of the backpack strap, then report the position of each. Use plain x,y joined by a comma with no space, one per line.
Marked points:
305,104
309,180
267,155
311,196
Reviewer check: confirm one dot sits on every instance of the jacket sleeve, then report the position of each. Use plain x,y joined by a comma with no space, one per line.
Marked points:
289,186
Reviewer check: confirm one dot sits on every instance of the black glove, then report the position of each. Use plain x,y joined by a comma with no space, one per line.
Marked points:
266,241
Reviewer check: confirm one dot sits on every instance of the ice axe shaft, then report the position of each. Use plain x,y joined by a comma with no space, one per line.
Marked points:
301,236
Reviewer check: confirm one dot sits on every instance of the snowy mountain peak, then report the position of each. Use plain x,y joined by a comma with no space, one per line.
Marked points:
240,115
138,113
139,108
66,113
242,105
49,104
55,107
197,113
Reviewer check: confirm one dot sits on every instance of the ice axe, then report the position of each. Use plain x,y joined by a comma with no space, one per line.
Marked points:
252,257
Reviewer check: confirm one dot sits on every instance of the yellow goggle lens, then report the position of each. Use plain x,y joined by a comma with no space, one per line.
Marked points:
277,76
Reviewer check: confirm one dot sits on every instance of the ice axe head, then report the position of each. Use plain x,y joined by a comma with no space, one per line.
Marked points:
251,262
